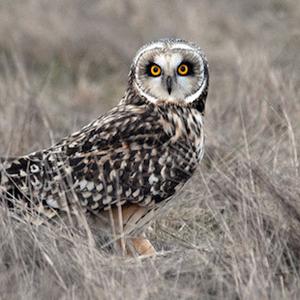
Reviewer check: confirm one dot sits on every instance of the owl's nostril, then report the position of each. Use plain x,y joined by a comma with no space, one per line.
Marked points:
169,84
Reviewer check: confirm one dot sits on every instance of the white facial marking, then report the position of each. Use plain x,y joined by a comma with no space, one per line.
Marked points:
182,46
151,47
168,56
168,61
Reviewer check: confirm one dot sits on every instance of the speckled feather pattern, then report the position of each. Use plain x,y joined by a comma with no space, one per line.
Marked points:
138,152
135,154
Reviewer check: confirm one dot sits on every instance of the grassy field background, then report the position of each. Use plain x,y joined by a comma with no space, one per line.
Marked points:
235,231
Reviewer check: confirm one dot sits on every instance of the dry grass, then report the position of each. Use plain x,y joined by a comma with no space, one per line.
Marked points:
235,233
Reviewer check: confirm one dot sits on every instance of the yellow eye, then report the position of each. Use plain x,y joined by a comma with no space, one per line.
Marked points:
155,70
183,69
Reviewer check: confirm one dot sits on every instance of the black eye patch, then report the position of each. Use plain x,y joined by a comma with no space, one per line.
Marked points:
190,67
153,69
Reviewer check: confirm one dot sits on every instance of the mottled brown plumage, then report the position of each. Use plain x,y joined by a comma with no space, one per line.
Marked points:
136,155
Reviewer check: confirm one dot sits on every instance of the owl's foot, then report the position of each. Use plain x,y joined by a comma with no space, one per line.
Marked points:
123,220
140,247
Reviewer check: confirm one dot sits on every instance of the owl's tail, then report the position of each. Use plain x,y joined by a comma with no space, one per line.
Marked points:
5,183
12,178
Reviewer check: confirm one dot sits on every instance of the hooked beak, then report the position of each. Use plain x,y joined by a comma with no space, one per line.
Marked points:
169,84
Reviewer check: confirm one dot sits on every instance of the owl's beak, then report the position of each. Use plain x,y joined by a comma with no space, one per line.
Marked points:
169,84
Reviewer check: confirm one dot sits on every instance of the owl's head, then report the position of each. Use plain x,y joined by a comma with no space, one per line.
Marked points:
170,70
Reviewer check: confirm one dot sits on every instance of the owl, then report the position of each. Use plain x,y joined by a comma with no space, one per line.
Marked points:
124,167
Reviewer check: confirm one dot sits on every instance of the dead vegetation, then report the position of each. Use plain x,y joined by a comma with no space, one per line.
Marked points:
234,234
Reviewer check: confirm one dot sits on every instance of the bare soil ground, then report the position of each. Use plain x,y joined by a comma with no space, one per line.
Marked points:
234,233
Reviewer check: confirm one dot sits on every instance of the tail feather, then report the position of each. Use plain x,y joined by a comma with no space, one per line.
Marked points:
32,182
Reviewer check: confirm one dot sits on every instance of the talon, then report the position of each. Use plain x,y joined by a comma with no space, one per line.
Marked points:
142,246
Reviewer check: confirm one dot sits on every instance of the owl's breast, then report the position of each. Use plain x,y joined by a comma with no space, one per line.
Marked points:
185,126
179,157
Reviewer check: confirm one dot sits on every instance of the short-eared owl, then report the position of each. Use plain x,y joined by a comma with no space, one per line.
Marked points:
126,164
